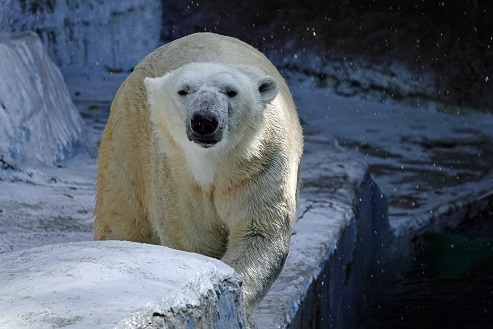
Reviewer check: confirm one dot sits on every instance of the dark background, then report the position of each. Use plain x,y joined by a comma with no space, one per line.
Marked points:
453,40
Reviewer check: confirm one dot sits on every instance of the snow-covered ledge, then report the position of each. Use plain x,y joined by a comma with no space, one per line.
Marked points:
107,284
39,123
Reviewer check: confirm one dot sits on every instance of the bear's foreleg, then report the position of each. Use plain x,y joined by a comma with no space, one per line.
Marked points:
258,258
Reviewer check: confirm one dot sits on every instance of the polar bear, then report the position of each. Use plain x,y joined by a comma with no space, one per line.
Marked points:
201,153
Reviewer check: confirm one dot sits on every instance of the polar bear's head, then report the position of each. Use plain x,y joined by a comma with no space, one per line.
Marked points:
210,105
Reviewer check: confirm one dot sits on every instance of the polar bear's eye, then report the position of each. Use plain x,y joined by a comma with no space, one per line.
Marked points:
182,92
231,93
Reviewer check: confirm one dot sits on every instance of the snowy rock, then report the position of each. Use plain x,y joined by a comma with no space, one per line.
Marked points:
39,123
108,284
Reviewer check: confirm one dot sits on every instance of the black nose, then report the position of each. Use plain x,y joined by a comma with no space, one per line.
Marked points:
204,123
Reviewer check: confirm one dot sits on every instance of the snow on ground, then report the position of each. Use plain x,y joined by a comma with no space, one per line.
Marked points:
45,205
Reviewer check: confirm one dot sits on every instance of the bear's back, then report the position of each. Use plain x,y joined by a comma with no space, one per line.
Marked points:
204,47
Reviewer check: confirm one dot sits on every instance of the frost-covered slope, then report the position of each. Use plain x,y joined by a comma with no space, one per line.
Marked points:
39,123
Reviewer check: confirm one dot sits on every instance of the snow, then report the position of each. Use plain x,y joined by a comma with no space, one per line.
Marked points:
47,205
115,283
39,123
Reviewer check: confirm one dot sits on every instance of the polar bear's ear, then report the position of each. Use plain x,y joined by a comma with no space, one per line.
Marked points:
152,85
268,88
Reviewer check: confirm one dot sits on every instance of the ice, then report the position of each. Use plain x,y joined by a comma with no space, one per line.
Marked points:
39,124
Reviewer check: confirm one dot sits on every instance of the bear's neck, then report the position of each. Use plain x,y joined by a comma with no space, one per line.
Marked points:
237,162
203,165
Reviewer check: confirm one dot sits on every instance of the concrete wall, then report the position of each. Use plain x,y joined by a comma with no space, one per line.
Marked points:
334,297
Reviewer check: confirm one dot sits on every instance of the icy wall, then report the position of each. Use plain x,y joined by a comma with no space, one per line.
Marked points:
38,121
91,34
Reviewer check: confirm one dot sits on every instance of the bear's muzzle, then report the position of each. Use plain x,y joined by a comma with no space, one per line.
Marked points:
206,121
204,129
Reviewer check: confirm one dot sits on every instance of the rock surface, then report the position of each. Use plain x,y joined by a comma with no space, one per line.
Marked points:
118,284
91,35
39,124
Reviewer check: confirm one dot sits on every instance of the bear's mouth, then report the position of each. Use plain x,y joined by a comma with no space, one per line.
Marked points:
204,141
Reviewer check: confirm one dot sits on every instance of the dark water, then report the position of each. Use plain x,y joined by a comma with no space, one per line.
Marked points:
448,283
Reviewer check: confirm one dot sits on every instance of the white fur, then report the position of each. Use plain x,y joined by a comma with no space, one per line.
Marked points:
204,162
234,200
